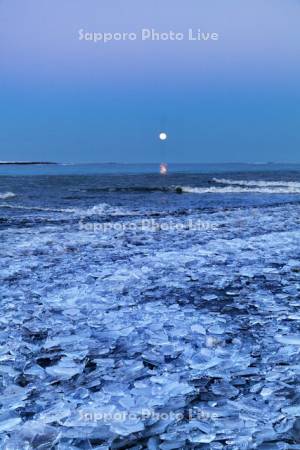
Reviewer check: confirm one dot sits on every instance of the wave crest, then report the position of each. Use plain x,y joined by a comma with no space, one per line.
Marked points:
7,195
241,190
258,183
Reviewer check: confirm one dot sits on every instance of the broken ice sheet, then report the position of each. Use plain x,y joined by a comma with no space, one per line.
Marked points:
126,426
224,388
56,413
35,434
9,423
163,385
197,329
65,369
62,342
293,410
288,340
14,396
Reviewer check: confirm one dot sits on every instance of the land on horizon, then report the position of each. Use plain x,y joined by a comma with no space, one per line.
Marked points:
257,163
24,163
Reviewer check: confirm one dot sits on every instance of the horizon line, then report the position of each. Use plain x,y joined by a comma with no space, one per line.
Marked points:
29,162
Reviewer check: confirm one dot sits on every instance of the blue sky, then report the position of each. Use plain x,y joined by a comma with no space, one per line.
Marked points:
235,99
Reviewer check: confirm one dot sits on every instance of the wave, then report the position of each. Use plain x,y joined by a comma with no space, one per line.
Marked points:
37,208
240,190
103,209
258,183
7,195
231,186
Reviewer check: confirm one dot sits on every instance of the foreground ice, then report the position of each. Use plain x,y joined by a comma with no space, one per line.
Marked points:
158,340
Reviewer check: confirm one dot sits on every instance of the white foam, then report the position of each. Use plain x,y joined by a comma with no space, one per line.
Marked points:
37,208
6,195
258,183
241,190
103,209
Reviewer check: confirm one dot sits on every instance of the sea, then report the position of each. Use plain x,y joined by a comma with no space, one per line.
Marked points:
150,311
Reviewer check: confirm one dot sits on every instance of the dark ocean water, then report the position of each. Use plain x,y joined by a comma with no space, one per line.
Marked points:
142,188
122,290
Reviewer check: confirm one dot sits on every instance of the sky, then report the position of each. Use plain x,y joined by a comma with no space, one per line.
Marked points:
235,99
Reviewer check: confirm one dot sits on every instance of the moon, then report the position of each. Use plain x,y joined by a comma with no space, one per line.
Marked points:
163,136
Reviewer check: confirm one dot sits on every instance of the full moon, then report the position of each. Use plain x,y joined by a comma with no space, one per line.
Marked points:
163,136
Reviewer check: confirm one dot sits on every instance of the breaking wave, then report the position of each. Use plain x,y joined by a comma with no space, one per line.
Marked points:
239,189
258,183
37,208
7,195
229,186
103,209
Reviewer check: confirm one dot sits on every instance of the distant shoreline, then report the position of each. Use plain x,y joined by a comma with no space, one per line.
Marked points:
42,163
26,163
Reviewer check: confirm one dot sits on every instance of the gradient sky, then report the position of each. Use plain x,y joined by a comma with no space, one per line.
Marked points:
236,99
